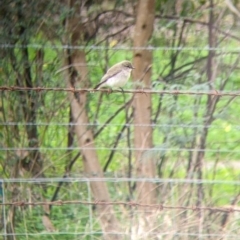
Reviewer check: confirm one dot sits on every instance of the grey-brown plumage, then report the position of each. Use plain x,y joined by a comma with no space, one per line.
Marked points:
117,75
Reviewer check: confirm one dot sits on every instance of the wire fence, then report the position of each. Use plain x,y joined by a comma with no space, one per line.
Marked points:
124,48
176,212
185,184
140,91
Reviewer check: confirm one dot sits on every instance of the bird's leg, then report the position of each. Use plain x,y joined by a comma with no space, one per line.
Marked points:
93,90
143,91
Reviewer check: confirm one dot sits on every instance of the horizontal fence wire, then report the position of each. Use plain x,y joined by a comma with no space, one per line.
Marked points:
154,149
233,126
135,91
87,178
98,233
126,204
115,180
126,48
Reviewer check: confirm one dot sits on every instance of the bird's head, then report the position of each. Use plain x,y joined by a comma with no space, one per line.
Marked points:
127,65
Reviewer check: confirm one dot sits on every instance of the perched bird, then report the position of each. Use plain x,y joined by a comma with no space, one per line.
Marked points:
117,75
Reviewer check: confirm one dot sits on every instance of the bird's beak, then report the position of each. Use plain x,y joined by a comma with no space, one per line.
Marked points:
133,67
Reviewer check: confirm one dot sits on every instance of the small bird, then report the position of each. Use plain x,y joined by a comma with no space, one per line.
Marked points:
117,75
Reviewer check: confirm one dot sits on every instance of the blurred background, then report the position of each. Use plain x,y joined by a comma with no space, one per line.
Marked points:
159,160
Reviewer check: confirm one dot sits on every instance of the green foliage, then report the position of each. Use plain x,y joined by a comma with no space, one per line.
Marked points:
179,63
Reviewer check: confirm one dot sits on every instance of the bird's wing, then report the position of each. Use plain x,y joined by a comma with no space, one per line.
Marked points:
110,73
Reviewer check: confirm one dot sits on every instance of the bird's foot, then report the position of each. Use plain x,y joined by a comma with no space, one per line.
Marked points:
143,91
93,90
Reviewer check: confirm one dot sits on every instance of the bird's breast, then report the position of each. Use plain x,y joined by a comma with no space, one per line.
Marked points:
119,79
